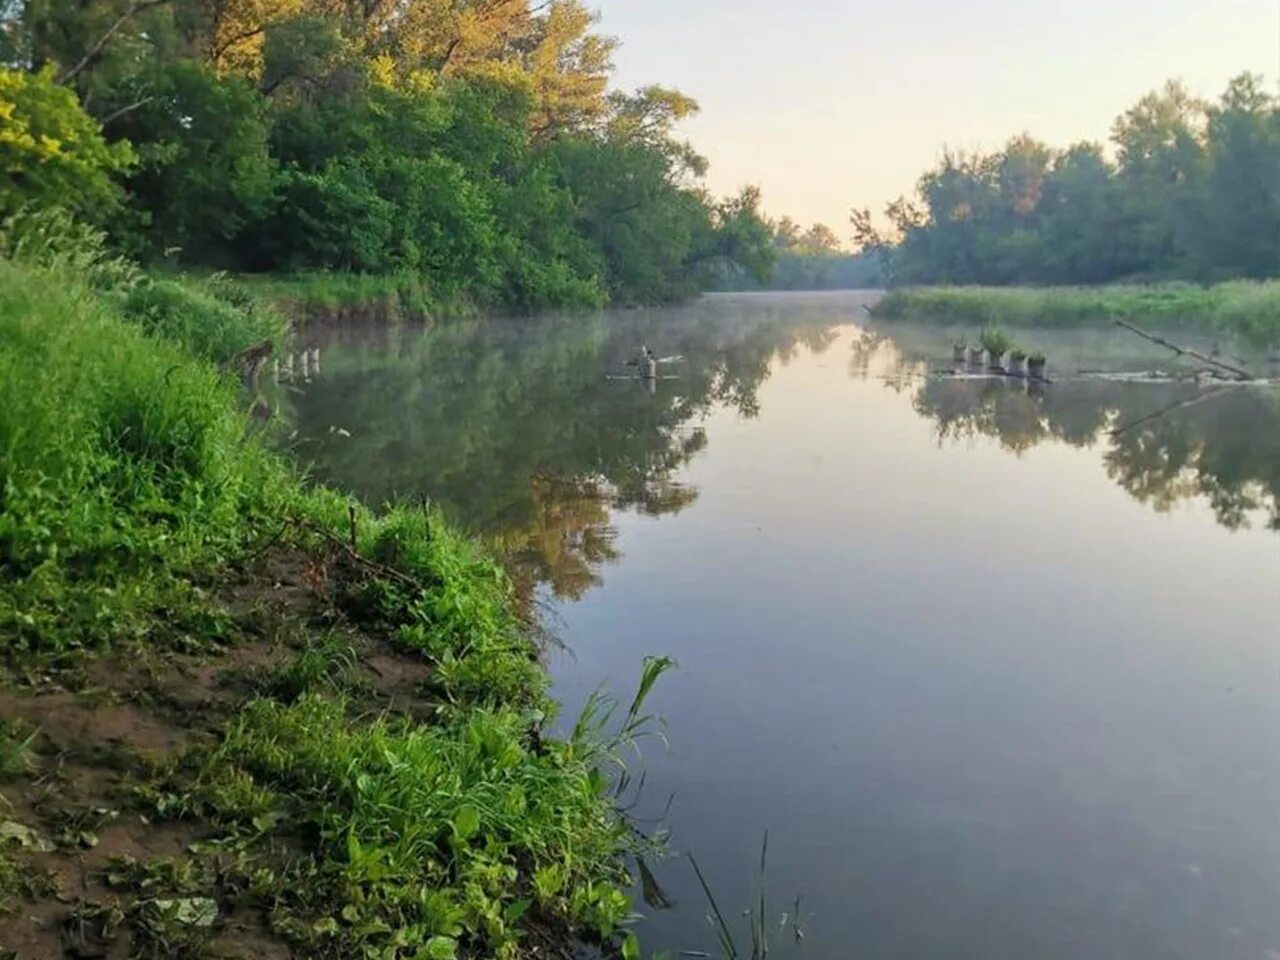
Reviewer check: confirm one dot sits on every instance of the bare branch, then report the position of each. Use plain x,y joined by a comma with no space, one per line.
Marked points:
117,114
134,9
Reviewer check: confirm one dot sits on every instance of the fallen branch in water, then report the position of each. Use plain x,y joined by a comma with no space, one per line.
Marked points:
1186,351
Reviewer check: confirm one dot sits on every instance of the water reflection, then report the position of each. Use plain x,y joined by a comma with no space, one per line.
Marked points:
1163,442
536,433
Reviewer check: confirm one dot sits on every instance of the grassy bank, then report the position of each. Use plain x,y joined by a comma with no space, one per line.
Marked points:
1250,311
243,716
383,298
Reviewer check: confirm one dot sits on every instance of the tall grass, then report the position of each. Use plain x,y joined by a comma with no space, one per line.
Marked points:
1248,310
385,297
212,318
123,465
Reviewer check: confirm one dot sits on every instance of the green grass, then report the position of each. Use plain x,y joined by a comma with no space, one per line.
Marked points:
381,297
124,467
128,475
1250,311
443,833
212,317
16,755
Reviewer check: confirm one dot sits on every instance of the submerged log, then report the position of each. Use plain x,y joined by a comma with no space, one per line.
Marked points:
1186,351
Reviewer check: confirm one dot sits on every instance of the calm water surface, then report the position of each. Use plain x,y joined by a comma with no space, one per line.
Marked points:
999,682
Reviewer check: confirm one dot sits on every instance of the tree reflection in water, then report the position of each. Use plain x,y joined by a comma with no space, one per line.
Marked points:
1162,442
517,430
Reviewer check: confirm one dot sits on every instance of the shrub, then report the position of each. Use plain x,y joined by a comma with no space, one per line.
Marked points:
52,153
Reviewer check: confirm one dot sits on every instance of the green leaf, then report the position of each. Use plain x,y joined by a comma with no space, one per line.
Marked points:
325,927
631,947
466,821
25,837
441,948
190,911
515,910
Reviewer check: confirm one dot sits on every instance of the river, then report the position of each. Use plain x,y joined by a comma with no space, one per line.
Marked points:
999,681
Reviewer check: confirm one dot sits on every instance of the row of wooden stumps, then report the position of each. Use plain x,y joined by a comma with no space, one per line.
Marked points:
1022,366
303,365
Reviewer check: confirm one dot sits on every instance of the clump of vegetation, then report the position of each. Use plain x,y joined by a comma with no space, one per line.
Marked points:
16,756
996,342
124,468
1017,354
1248,310
389,296
434,835
213,318
322,666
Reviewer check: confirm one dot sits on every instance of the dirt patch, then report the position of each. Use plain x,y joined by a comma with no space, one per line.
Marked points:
72,722
248,936
397,677
33,931
111,728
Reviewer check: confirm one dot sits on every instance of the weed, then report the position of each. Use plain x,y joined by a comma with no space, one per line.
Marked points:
995,341
759,923
320,666
16,755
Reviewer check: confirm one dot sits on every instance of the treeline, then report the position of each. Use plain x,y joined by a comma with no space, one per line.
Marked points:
474,143
812,259
1190,190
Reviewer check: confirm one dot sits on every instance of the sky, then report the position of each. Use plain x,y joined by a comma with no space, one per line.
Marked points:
832,104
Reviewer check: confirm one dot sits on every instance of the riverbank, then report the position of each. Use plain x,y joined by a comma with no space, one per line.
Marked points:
244,716
1249,311
380,298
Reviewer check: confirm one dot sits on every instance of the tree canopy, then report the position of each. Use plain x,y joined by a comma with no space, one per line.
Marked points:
1188,189
474,142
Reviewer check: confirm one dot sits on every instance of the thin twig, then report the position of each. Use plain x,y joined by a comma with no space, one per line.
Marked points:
380,569
271,541
128,108
134,9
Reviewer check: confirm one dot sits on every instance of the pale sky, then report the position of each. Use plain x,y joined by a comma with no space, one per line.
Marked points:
829,104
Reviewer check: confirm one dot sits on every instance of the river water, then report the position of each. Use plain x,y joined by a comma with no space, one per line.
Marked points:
999,681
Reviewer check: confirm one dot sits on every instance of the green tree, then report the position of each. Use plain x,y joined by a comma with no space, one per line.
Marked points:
52,152
206,173
1242,192
1161,160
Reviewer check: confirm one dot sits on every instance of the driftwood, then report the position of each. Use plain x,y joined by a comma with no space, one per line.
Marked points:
1187,352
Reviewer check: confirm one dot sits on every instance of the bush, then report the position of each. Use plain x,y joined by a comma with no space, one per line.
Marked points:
212,319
